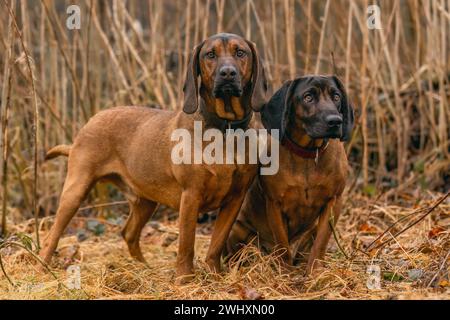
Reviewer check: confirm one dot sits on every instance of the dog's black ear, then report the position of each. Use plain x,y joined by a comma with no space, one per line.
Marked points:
346,111
190,88
259,82
276,113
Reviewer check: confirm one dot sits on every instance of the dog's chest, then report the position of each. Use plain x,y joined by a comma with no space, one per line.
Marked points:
304,202
310,190
304,193
226,181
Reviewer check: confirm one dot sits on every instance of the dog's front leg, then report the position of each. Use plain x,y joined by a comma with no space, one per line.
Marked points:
279,230
189,206
225,219
332,210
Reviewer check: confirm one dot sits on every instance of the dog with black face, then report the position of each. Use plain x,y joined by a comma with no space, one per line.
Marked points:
293,209
317,105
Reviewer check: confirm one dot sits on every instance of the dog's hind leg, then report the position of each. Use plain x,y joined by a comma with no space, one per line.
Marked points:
240,236
141,211
75,190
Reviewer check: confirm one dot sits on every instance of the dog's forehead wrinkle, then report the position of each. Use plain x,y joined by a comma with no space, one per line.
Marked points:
225,39
224,47
224,43
322,84
213,44
233,44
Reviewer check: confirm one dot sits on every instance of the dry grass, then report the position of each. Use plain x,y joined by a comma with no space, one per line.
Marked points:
109,273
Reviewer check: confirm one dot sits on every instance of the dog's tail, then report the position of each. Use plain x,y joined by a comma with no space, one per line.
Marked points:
61,150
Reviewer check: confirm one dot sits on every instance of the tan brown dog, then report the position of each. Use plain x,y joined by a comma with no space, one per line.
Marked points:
299,202
131,147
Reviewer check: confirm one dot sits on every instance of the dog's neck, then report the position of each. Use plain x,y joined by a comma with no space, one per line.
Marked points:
223,114
299,143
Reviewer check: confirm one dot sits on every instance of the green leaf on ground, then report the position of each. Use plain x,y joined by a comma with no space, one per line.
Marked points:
392,276
370,190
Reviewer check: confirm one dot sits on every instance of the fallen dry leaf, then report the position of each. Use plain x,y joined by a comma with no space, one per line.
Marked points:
425,249
69,254
444,283
169,239
250,294
147,231
435,232
365,227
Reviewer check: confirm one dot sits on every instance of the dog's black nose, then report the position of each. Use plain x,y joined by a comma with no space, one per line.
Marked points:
333,120
228,72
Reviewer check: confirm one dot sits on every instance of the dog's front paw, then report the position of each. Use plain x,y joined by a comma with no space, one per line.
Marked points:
213,265
314,269
184,274
184,279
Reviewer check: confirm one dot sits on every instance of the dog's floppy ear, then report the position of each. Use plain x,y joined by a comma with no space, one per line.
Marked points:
276,113
347,112
259,81
190,88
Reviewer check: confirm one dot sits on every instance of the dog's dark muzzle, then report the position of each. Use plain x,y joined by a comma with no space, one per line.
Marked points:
324,126
227,89
227,82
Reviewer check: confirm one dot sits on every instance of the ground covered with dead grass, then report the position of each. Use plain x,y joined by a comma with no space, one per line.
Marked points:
413,265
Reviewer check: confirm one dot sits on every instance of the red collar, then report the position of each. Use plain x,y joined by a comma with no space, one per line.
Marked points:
308,153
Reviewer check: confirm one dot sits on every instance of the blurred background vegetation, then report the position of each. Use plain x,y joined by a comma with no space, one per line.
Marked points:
135,52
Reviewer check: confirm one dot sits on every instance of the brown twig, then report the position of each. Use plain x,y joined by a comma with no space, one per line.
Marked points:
4,111
412,224
35,122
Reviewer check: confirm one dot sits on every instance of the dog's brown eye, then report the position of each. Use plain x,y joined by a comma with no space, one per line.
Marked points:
308,98
240,53
336,97
211,55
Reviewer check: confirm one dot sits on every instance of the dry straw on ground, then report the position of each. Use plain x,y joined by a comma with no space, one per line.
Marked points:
414,265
